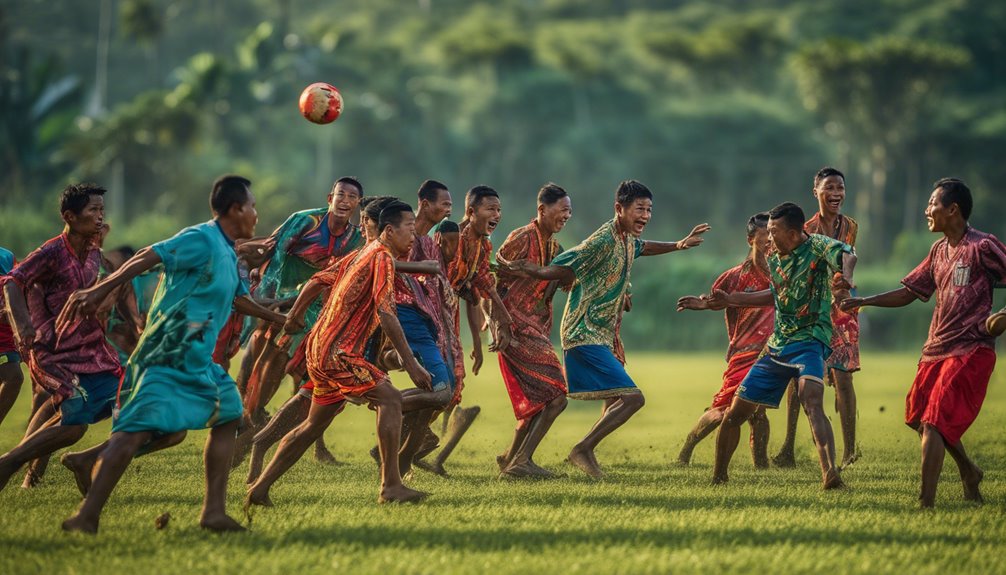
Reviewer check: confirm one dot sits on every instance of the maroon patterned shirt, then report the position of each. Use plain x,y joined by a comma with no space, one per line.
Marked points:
962,278
747,327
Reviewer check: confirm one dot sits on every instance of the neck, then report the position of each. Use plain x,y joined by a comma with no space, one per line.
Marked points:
619,227
336,225
79,242
229,228
545,233
423,223
760,260
829,221
384,242
955,231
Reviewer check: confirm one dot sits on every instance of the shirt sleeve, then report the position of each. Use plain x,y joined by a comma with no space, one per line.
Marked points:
484,281
725,282
330,275
992,254
243,281
831,250
38,267
383,287
639,244
921,281
188,249
583,258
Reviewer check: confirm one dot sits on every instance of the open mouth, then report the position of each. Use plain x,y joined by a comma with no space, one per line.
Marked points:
835,204
491,226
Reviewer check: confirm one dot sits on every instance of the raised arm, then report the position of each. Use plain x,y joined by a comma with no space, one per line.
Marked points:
85,303
651,248
894,298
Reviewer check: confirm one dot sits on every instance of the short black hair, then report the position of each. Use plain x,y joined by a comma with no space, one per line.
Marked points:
430,190
826,172
76,196
631,190
374,206
955,191
551,193
392,214
757,222
228,190
790,213
475,195
351,181
448,227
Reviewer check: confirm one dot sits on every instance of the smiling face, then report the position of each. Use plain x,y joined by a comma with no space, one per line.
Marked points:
343,201
485,216
634,217
91,220
761,244
830,194
400,237
784,239
552,218
939,215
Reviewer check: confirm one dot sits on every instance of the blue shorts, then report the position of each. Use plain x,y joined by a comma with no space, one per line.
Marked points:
768,379
419,333
96,401
10,357
593,372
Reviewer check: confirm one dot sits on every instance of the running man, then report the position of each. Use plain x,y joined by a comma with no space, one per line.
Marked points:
801,271
11,377
531,371
748,329
171,383
598,270
959,355
829,190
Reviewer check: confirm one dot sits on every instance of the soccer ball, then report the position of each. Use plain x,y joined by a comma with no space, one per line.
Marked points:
321,103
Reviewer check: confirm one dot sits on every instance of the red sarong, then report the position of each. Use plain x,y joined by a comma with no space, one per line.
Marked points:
948,393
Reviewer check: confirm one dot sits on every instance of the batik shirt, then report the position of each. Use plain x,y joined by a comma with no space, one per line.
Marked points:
362,287
527,299
962,278
48,276
602,264
7,263
469,271
801,286
747,327
192,302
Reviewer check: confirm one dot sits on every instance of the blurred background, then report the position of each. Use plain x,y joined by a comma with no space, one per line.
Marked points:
723,108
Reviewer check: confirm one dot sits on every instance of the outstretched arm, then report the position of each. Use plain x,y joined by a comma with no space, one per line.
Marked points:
698,303
651,248
431,267
295,318
85,302
563,274
393,329
245,305
895,298
719,299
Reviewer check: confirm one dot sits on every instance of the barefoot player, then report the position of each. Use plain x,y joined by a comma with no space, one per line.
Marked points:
748,330
801,275
959,355
598,270
172,383
531,371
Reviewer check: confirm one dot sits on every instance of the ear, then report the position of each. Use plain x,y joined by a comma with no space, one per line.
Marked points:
751,240
69,216
330,196
619,209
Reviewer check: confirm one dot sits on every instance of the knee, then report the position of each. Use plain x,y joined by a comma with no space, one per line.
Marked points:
758,417
176,438
634,401
558,405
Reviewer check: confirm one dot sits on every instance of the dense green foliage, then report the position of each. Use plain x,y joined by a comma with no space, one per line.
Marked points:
647,517
724,108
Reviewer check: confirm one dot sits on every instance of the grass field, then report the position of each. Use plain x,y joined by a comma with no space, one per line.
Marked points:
647,516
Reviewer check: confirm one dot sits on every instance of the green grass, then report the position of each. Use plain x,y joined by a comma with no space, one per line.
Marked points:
647,516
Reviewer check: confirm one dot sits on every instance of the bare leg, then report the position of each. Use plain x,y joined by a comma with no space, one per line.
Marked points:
519,434
418,399
412,442
322,453
461,420
255,343
845,405
112,463
522,464
729,436
293,413
11,379
785,457
708,423
42,415
49,438
971,474
81,463
933,451
615,414
388,402
812,396
217,459
759,438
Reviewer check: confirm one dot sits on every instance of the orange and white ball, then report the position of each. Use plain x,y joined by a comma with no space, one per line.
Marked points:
321,103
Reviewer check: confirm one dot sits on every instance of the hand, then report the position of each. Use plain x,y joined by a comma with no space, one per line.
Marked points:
627,304
293,324
851,303
515,267
255,251
692,302
419,375
840,283
694,238
717,299
477,360
25,336
80,305
503,339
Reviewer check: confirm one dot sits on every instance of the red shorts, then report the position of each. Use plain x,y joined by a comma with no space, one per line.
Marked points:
344,375
948,393
737,368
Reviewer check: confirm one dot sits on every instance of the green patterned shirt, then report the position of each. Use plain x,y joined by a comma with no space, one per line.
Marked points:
801,286
602,263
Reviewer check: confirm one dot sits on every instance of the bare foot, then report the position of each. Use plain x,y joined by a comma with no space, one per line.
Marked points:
996,323
323,455
527,470
436,468
430,443
682,461
401,494
502,461
971,483
79,524
720,479
221,524
243,445
849,459
255,466
784,459
257,496
81,470
583,458
832,480
31,478
375,454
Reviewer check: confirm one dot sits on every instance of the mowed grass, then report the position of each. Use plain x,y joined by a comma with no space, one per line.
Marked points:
647,516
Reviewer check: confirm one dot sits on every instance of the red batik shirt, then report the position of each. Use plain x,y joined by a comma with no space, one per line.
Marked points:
469,271
747,327
962,278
